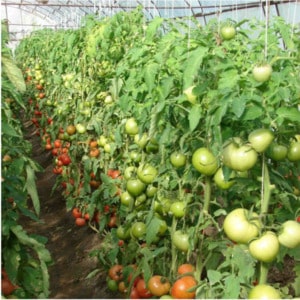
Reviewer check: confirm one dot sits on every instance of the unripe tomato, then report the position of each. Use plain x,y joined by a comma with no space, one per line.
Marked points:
204,161
131,127
178,159
239,227
262,73
294,152
138,229
142,140
147,173
289,236
126,199
260,139
221,182
181,240
277,152
265,248
178,208
135,187
228,32
264,291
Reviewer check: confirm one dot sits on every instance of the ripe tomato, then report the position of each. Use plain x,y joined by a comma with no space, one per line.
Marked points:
289,236
264,291
178,208
265,248
138,229
178,159
93,144
76,213
112,221
294,151
142,289
94,152
159,285
134,294
181,240
115,272
204,161
228,32
277,151
57,143
131,127
262,73
185,268
147,173
181,288
260,139
190,96
240,226
135,187
80,222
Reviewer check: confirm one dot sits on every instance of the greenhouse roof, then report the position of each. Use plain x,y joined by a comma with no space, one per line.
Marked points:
24,16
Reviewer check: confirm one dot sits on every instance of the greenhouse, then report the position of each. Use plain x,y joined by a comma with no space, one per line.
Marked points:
150,149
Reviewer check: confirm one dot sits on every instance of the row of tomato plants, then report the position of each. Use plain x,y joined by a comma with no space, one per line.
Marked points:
24,257
178,144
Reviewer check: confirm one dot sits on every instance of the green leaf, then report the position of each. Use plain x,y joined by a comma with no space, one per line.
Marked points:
13,73
252,112
228,80
238,106
152,28
152,230
195,116
232,287
150,72
214,276
288,113
192,66
31,188
8,130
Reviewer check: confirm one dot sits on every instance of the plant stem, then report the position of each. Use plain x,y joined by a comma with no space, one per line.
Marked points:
264,269
207,194
173,249
265,187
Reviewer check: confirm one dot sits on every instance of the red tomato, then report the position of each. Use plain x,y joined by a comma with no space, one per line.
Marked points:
185,268
181,287
76,213
142,289
80,222
116,272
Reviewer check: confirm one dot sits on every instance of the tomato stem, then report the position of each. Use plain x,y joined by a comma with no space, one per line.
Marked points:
264,269
173,249
265,187
207,194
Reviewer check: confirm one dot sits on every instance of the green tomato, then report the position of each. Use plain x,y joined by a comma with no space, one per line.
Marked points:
112,285
265,248
289,236
241,226
140,199
277,152
131,127
162,206
190,96
260,139
138,229
204,161
264,291
262,73
126,199
147,173
221,182
122,233
135,156
107,148
237,156
151,190
294,151
102,141
228,32
135,187
181,240
178,159
178,208
142,140
80,128
129,172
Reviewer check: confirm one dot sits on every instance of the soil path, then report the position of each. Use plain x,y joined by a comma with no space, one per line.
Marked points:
69,245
